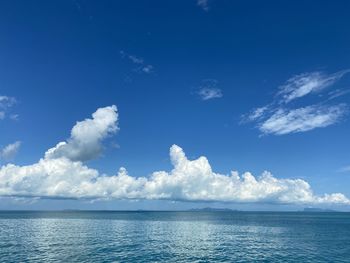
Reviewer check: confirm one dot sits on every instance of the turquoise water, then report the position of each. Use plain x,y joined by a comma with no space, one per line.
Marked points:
174,237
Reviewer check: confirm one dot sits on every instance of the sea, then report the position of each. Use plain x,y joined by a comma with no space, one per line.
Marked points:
189,236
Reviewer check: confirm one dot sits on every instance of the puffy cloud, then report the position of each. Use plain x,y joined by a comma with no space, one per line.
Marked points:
195,181
302,119
276,118
62,174
9,151
86,138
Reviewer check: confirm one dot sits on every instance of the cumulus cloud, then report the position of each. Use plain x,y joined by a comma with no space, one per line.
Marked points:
189,180
9,151
208,90
85,142
280,118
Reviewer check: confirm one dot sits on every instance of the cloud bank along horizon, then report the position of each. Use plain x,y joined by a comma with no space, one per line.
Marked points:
61,173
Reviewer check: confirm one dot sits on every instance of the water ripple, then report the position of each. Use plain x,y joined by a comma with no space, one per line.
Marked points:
174,237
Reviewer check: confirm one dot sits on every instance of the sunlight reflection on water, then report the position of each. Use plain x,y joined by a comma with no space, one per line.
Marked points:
174,237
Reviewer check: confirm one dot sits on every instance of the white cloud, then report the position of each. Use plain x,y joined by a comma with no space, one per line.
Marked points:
307,83
276,118
209,93
86,138
147,69
337,93
14,117
257,113
142,67
302,119
135,59
189,180
5,103
208,90
204,4
9,151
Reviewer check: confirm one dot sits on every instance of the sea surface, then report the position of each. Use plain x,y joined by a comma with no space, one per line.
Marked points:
77,236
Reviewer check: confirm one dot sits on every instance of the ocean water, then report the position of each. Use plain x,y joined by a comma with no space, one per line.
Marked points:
174,237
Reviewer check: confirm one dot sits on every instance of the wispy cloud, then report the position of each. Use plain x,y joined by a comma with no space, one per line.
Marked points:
9,151
303,119
208,90
6,103
280,118
256,114
148,69
338,93
210,93
344,169
135,60
304,84
204,4
141,65
14,117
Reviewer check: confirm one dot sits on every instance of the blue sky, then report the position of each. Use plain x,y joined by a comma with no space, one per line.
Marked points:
180,72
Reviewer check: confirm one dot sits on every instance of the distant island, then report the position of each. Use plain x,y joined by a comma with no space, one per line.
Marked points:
211,209
311,209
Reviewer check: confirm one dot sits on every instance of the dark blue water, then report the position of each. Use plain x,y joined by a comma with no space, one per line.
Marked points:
174,237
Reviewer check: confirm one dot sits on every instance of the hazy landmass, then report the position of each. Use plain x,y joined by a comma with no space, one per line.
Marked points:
311,209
